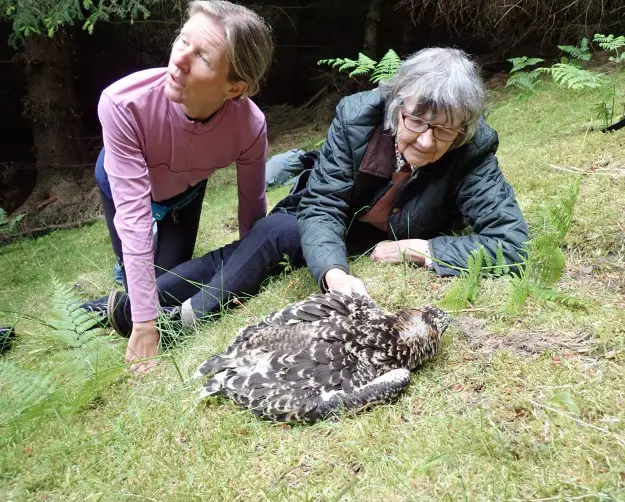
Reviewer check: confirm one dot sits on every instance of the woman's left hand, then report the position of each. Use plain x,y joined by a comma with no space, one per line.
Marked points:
413,250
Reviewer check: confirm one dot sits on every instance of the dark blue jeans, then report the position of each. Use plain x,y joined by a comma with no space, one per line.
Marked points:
238,269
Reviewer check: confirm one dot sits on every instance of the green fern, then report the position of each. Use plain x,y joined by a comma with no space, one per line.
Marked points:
387,67
581,52
465,288
551,295
361,66
364,65
611,43
501,264
526,81
523,62
8,225
519,292
573,76
77,362
545,261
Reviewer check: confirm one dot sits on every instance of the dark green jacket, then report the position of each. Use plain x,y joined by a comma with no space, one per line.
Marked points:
464,187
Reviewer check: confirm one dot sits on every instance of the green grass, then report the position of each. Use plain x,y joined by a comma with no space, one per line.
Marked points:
528,407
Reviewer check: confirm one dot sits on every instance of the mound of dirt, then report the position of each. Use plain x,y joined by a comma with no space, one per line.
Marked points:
520,342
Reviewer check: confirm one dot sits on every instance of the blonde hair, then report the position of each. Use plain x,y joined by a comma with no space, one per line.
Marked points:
248,38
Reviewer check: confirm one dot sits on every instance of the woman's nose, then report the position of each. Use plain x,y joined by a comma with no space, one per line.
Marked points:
181,58
426,140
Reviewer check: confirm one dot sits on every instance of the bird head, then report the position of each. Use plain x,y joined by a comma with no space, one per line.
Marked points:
422,327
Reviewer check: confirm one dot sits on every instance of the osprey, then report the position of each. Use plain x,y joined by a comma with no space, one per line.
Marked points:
329,353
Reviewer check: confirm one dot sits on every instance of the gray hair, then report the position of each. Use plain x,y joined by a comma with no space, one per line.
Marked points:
437,80
248,39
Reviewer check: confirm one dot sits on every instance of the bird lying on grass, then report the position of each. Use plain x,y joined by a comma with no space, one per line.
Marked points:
323,355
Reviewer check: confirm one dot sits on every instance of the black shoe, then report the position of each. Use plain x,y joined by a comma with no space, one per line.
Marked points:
168,323
98,307
118,309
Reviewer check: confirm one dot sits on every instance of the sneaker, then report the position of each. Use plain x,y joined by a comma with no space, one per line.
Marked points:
169,322
118,309
98,307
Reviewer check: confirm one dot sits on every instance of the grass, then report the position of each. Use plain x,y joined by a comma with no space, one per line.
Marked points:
528,407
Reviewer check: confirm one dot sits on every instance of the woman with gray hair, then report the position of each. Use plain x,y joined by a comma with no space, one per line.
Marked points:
165,131
403,166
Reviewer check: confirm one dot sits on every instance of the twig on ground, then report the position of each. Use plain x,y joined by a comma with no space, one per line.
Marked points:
285,291
47,202
601,172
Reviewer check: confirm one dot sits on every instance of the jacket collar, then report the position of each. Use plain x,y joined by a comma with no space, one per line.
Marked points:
379,159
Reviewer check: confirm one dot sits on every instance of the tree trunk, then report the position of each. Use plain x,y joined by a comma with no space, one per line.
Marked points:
407,46
374,14
51,107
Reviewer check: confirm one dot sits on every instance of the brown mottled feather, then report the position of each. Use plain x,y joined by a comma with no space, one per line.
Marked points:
322,355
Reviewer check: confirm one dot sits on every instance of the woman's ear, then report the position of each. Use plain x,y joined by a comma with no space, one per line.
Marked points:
236,89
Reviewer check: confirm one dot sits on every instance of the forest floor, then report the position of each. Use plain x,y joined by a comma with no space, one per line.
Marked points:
515,407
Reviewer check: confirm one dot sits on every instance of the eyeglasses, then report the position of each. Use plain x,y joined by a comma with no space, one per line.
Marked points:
420,126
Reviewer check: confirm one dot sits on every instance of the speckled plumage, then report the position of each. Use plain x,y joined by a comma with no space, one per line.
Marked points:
322,355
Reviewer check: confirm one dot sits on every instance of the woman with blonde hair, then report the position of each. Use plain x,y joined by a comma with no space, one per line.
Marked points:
165,131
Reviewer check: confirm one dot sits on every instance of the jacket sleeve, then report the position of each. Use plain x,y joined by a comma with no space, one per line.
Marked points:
323,209
487,203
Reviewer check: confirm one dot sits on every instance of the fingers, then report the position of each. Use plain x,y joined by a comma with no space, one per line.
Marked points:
142,350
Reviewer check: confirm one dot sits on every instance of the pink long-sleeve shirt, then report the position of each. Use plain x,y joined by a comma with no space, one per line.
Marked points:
154,152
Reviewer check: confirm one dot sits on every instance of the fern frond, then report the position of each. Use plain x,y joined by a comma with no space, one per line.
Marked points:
551,295
574,77
609,42
362,66
501,264
339,62
519,293
81,361
526,81
581,52
523,62
387,67
602,112
465,287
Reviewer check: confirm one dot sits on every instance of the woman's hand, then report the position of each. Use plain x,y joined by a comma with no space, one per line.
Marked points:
143,344
338,280
413,250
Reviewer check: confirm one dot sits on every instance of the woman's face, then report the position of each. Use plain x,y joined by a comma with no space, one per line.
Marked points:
422,148
197,74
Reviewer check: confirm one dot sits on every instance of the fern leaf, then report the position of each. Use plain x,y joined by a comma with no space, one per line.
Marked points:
546,294
609,42
387,67
581,52
501,263
466,287
523,62
574,77
82,361
519,293
526,81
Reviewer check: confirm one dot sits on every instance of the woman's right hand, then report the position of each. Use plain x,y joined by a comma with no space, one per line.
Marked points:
143,347
338,280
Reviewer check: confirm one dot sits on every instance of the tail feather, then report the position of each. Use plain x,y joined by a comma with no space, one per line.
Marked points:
214,365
